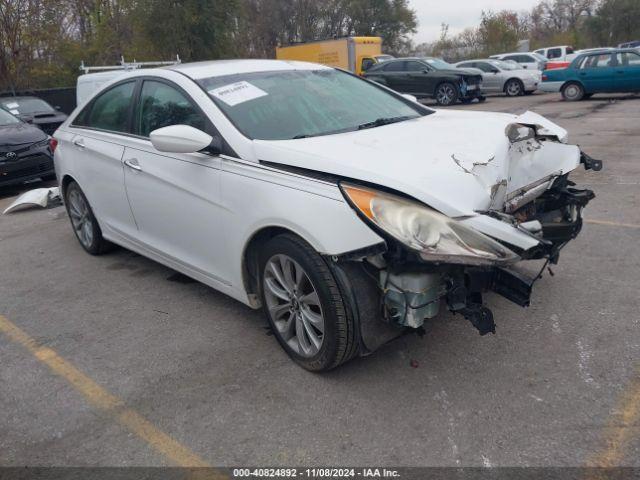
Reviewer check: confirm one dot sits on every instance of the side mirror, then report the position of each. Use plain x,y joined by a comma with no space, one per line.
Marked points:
525,66
57,107
425,70
180,139
408,96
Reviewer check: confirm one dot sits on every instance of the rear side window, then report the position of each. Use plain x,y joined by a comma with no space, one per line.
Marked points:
628,59
109,110
598,61
394,67
162,105
554,53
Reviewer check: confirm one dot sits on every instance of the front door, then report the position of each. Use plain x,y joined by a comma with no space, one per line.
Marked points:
175,198
598,73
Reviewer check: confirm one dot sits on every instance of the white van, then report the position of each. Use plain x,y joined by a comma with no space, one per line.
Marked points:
92,82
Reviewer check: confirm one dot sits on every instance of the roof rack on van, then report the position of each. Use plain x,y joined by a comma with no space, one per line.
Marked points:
128,65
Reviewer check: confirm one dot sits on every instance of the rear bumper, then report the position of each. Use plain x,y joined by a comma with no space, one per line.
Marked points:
550,87
26,168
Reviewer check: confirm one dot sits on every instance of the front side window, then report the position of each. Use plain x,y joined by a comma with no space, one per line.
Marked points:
367,63
162,105
291,104
415,67
485,67
110,110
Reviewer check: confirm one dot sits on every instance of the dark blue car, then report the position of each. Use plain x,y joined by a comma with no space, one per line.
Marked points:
605,71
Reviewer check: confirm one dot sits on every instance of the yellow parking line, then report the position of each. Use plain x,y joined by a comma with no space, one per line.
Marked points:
105,401
611,224
620,429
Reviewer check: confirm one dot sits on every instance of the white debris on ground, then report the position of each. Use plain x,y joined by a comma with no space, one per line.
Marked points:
38,197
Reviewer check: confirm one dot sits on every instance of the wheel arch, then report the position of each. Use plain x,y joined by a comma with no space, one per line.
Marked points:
250,257
64,183
506,82
570,81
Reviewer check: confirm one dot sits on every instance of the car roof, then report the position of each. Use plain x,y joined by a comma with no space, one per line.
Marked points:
219,68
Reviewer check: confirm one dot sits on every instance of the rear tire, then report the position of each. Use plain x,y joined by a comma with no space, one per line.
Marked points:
514,88
446,94
304,306
573,92
84,223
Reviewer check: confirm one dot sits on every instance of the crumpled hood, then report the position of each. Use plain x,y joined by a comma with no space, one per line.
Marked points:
458,162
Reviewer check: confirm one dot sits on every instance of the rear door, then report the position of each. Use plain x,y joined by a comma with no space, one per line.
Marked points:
96,150
627,72
175,197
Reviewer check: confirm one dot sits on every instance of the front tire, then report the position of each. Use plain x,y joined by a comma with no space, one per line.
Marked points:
573,92
304,306
83,221
446,94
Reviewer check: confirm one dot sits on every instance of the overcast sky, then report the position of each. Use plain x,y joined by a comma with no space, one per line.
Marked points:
459,14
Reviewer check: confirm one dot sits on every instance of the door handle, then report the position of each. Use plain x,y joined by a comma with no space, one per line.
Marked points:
133,164
78,143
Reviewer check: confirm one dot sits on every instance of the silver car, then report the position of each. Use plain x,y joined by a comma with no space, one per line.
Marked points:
507,77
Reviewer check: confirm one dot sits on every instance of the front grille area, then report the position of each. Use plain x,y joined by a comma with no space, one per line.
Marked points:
38,164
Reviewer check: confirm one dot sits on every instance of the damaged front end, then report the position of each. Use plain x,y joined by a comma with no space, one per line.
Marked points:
430,260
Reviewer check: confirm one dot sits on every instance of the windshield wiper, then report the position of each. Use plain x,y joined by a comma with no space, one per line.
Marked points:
384,121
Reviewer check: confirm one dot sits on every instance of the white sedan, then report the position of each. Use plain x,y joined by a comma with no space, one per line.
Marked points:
507,77
348,212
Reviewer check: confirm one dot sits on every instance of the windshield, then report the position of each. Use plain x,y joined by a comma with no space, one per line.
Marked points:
540,57
6,118
19,106
504,65
303,103
439,64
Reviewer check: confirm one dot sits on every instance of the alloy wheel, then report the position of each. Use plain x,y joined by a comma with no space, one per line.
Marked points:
293,305
81,218
445,94
514,89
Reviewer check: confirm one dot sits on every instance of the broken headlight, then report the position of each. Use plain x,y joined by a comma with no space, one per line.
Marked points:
433,235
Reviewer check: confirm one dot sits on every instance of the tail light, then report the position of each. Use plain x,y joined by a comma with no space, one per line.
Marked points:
53,143
544,77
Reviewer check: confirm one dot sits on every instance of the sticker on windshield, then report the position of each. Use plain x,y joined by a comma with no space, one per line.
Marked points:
238,92
11,105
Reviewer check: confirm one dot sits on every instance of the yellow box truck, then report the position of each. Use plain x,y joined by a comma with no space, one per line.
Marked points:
356,54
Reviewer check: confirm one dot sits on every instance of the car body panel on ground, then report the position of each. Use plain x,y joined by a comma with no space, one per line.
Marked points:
250,195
